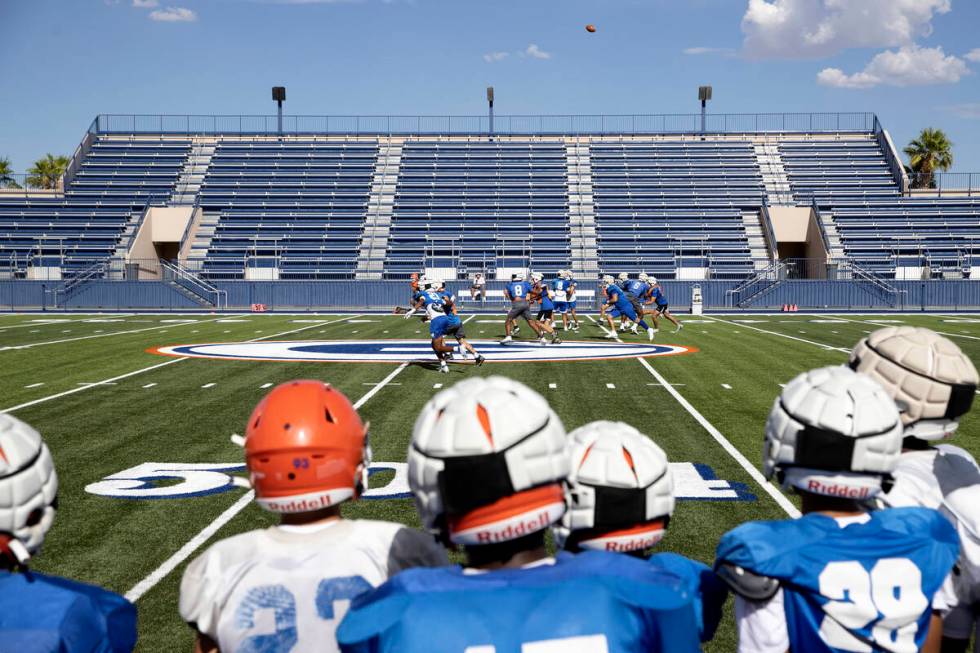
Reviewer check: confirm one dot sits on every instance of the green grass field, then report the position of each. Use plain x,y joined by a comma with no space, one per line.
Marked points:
105,405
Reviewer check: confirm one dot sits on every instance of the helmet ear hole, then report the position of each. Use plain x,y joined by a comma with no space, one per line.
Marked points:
34,518
328,415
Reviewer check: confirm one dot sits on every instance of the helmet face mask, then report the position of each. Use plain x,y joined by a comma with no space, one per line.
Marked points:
28,489
833,432
619,492
486,462
928,376
306,448
643,276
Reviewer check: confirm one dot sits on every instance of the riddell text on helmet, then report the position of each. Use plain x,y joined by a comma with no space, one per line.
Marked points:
836,490
513,531
302,505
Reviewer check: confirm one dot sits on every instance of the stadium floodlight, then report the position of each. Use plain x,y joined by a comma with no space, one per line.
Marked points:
490,102
704,94
279,95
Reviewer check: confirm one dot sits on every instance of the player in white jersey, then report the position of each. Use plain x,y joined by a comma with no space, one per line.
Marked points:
286,588
934,383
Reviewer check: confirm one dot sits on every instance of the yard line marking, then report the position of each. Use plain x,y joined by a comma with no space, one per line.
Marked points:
149,385
265,385
676,385
94,383
436,386
34,385
726,386
785,335
195,542
464,321
366,383
140,371
552,385
725,443
185,551
756,475
611,386
882,324
97,335
209,385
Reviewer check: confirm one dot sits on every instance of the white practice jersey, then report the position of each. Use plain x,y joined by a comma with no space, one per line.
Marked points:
286,588
947,479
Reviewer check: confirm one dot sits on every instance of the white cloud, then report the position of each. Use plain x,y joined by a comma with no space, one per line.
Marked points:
973,55
146,4
907,66
493,57
534,51
173,15
969,110
703,50
795,29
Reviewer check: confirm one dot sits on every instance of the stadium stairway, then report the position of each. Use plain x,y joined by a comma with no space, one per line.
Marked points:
757,241
581,210
194,171
377,221
778,189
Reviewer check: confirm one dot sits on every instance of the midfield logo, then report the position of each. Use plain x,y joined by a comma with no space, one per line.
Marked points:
692,481
406,351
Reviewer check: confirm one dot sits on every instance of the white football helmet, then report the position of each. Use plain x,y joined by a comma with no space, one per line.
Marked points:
28,489
643,276
620,493
929,377
519,276
833,432
567,274
487,461
652,280
607,279
623,276
536,277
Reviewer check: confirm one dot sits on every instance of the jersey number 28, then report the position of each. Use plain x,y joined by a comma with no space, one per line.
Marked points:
892,589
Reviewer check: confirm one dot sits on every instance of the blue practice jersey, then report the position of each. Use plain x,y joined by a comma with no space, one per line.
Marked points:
637,288
519,289
561,288
622,301
659,296
709,590
847,588
547,304
47,613
594,601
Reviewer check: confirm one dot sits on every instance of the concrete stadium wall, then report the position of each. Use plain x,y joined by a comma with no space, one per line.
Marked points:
383,295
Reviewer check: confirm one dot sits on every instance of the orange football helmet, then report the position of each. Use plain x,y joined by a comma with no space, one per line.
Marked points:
306,448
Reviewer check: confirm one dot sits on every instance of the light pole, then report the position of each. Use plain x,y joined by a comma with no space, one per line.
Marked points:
490,102
704,94
279,95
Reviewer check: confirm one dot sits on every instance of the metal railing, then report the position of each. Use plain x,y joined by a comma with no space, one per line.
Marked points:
825,238
22,184
768,232
719,123
193,284
958,184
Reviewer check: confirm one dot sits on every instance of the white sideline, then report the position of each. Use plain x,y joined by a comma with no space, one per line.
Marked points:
781,335
56,321
195,542
146,369
720,438
105,335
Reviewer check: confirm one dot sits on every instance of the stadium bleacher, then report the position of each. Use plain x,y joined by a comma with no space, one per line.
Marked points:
316,206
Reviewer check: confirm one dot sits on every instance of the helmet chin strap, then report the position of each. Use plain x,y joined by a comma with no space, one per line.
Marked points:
14,550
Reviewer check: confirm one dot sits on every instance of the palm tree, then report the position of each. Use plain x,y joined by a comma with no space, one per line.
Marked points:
47,172
930,152
7,175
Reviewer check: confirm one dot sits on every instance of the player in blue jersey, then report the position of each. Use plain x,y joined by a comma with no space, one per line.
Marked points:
40,612
618,304
544,296
486,465
636,291
519,292
934,383
620,497
564,289
839,578
658,298
444,320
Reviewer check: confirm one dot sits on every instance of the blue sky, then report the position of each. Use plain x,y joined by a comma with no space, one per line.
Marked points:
915,63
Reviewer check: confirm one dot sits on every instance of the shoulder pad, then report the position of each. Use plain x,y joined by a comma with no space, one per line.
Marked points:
747,584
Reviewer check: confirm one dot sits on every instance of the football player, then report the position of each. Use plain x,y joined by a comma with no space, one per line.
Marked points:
564,288
620,497
444,321
545,298
839,578
486,465
40,612
621,281
286,587
415,304
618,304
662,307
518,292
636,291
933,382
